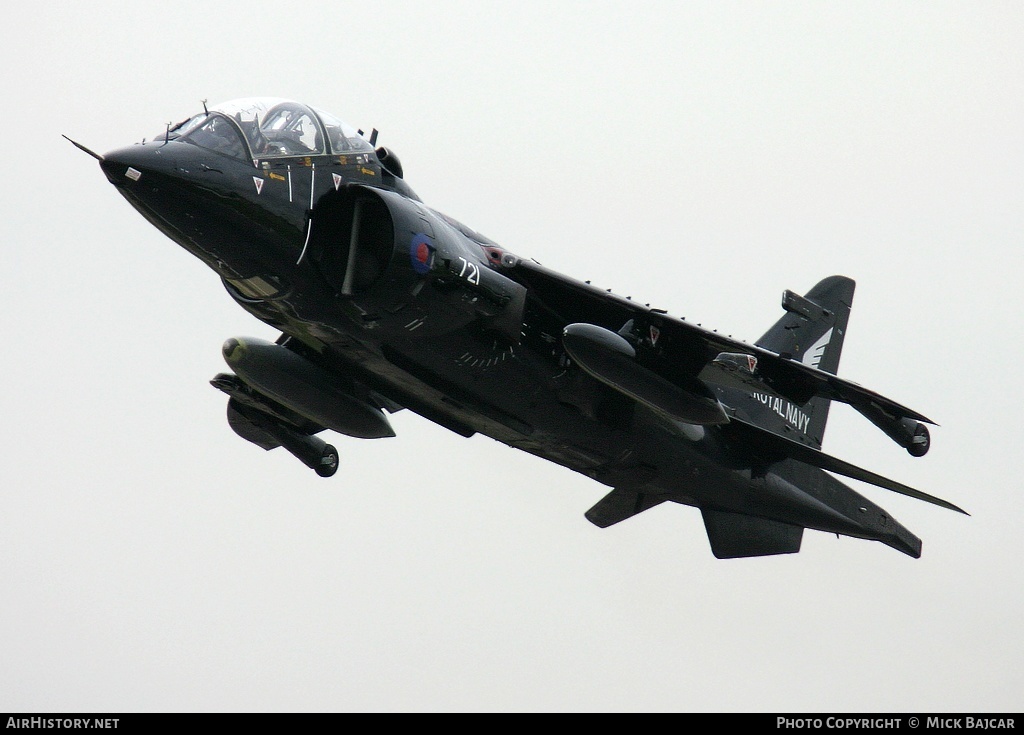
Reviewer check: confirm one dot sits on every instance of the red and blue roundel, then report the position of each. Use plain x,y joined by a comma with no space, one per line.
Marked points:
421,253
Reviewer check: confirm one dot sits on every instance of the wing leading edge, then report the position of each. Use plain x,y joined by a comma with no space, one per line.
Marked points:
769,444
672,347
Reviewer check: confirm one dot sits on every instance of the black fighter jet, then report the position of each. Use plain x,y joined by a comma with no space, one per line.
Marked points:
384,304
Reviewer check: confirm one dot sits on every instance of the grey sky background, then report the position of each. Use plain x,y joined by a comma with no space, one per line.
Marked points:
700,156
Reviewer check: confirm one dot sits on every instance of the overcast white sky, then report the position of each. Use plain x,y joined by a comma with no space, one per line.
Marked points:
702,156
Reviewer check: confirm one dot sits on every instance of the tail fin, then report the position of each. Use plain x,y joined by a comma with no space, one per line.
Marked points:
812,332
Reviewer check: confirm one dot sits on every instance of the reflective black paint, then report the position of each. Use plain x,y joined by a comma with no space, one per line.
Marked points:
393,305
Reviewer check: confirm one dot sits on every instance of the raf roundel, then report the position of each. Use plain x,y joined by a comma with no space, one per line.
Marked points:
421,252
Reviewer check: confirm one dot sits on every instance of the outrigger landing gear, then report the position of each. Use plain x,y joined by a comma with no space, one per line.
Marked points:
328,462
312,451
267,431
921,442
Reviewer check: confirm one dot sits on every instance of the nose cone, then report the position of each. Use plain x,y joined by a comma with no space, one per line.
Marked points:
126,167
148,177
206,202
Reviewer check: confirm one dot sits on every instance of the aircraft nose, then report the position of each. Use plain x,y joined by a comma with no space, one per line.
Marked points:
126,166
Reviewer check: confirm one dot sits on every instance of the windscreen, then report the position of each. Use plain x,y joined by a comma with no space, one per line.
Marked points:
269,127
276,127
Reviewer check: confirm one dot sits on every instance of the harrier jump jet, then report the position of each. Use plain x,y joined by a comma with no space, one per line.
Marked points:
385,304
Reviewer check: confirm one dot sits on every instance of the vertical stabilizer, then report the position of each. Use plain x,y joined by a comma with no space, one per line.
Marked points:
812,332
814,325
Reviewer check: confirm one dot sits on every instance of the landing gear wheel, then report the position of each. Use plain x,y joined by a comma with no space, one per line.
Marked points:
328,464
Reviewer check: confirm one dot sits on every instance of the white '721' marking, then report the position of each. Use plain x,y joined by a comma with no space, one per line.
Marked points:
470,271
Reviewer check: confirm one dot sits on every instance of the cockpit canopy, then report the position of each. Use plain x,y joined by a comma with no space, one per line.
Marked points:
268,127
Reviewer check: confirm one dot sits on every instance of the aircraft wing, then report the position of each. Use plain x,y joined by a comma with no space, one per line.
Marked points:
777,447
675,348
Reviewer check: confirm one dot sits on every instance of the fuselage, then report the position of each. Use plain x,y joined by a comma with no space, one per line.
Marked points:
316,233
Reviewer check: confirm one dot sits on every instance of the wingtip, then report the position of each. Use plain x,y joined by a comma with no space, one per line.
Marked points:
945,504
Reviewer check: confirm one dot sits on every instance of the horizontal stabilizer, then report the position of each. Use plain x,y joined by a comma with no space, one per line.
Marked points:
618,505
767,443
734,535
